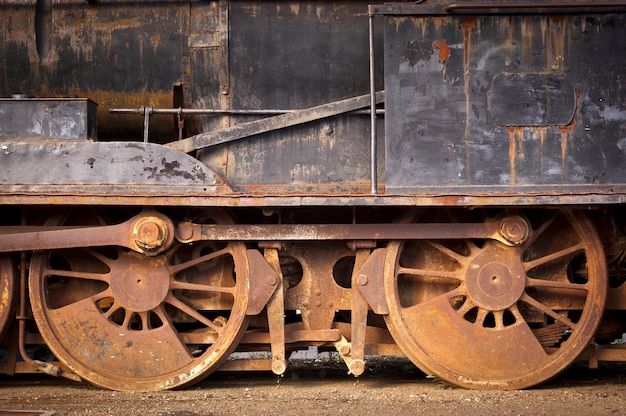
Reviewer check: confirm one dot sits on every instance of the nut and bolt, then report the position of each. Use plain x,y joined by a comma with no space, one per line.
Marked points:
149,233
514,230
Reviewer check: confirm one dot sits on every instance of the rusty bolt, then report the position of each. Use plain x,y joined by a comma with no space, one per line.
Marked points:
356,367
184,232
514,230
149,233
344,349
278,367
272,280
361,280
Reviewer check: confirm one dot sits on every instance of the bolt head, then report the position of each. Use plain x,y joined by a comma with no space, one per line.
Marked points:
514,229
149,233
361,280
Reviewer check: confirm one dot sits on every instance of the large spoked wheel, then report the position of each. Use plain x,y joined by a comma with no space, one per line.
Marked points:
484,315
7,293
125,321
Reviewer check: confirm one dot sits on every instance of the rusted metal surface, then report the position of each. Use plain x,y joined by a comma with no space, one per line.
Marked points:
583,197
149,232
152,233
318,294
49,119
117,318
503,102
92,168
8,293
265,125
294,333
517,315
118,54
264,282
369,281
442,7
276,314
509,231
500,104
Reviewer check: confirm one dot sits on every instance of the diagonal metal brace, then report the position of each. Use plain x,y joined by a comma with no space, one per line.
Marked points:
265,125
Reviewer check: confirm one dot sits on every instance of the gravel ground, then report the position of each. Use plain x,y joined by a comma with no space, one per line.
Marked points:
390,386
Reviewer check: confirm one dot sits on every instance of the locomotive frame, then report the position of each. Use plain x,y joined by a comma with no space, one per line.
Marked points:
487,245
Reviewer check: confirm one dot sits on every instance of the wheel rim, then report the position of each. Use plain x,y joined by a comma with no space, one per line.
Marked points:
7,293
125,321
483,315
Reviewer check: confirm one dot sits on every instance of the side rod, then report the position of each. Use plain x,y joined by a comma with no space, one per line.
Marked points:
152,233
510,231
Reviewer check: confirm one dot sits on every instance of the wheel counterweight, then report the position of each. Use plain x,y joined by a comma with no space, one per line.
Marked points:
483,315
125,321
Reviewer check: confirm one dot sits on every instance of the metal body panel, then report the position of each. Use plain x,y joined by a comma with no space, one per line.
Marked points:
52,119
504,103
115,53
101,168
295,55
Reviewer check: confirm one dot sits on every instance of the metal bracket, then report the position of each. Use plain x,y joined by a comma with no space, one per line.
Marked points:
263,282
276,315
356,366
369,281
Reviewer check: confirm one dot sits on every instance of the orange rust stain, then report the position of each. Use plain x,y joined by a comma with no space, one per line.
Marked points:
444,50
516,137
159,125
469,23
566,135
556,40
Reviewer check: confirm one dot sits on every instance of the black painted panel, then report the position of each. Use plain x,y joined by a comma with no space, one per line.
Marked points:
505,103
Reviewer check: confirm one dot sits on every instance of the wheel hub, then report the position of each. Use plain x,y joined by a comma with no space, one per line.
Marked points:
139,286
495,279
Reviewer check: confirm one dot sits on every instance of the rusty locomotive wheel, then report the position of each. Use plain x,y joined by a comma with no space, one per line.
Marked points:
125,321
7,293
484,315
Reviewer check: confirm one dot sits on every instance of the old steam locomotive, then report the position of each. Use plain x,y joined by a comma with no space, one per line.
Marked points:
184,179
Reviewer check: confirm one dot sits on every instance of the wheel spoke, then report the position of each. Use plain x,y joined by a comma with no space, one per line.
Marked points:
101,257
481,316
430,276
183,307
202,259
101,277
127,319
543,308
516,313
461,259
498,317
416,309
145,320
529,265
467,306
114,308
175,285
531,282
534,236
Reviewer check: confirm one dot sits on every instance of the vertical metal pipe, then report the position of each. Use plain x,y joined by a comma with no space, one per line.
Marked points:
373,138
147,112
